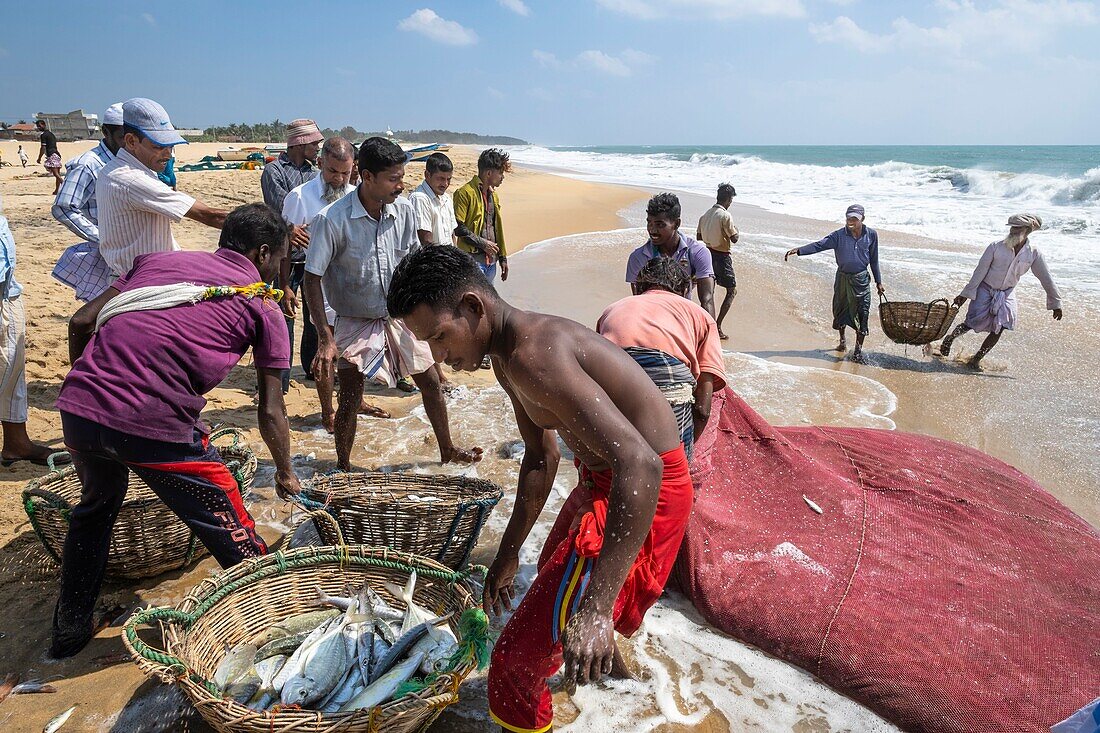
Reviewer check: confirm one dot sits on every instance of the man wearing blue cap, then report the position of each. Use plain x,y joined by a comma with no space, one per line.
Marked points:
856,249
136,209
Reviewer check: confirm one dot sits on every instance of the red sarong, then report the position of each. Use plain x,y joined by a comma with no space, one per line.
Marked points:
529,649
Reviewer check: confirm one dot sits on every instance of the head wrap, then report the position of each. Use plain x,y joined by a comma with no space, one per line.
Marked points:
854,210
1030,221
113,115
303,132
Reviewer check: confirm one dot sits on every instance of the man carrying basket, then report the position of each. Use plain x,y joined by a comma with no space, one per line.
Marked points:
856,248
992,288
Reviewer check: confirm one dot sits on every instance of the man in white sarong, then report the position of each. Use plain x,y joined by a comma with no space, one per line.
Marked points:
991,290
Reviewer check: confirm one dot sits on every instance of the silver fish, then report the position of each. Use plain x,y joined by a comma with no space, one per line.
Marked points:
235,663
437,645
403,645
297,624
414,614
383,688
341,602
284,646
32,686
293,665
266,694
244,687
381,609
59,720
322,669
348,688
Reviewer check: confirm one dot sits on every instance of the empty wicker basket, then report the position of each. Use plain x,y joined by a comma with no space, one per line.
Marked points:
439,517
916,323
148,538
241,602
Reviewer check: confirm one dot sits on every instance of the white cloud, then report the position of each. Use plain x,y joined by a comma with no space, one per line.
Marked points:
714,9
600,61
427,23
148,18
540,94
546,59
595,60
516,6
495,93
1008,26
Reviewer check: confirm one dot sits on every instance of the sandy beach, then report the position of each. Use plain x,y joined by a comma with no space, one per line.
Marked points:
1020,410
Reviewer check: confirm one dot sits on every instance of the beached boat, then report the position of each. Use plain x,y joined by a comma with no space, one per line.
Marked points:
232,153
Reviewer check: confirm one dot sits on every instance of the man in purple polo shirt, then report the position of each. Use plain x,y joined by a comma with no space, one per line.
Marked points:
144,353
666,240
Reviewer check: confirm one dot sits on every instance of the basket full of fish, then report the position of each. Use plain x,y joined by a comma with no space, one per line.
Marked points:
432,516
333,638
148,538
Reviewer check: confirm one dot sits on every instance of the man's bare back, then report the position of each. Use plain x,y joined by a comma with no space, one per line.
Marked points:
554,364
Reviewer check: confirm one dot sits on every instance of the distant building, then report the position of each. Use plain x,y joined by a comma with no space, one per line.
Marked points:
20,132
190,133
71,126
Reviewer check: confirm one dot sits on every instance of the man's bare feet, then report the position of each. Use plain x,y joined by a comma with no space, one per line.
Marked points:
447,386
723,335
975,364
460,455
366,408
329,423
842,346
35,453
857,356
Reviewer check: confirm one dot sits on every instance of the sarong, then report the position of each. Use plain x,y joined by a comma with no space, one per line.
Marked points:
852,300
52,162
677,384
383,349
992,311
529,649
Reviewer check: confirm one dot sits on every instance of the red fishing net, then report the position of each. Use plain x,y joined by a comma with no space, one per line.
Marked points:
940,587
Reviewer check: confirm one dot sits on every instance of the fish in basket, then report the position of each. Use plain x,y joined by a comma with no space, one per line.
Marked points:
148,538
315,639
916,323
440,517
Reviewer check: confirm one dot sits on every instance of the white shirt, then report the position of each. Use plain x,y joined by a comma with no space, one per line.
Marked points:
1001,269
306,201
435,214
136,211
300,206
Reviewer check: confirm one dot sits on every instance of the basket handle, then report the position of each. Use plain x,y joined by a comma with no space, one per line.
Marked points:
318,513
55,455
159,661
234,433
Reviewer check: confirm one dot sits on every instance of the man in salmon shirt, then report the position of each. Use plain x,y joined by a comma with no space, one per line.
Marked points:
674,340
615,540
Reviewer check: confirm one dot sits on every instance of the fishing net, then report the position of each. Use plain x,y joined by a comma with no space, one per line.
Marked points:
940,587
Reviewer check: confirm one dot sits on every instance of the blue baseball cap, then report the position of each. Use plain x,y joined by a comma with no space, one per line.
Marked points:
151,120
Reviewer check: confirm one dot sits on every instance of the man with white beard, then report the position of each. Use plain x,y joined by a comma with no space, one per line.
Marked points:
992,289
337,160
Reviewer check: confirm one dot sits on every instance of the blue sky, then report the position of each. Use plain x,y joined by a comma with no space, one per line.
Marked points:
576,72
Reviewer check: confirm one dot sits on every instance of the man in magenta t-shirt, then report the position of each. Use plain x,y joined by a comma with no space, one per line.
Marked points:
133,398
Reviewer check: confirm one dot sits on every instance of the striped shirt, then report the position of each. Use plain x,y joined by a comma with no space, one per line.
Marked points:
136,211
75,205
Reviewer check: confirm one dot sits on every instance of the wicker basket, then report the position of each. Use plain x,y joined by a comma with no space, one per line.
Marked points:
246,599
431,516
148,538
916,323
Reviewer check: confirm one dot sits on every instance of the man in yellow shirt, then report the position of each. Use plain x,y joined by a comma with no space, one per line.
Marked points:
477,209
717,231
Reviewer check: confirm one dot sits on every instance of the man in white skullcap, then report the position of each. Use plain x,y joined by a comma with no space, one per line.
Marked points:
991,290
81,266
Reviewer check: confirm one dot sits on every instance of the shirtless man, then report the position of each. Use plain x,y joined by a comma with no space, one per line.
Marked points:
615,540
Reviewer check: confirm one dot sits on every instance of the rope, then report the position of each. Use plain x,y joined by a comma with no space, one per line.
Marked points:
859,553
